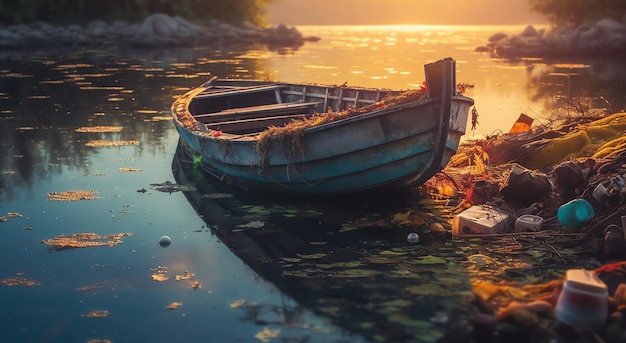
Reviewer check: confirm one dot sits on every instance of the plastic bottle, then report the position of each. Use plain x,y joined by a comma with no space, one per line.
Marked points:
575,213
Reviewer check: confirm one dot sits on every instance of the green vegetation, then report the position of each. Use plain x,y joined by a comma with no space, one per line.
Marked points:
84,11
576,12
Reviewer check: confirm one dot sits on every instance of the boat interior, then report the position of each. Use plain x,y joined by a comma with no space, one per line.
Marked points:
241,107
247,107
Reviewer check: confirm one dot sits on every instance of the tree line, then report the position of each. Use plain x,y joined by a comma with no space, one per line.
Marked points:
84,11
577,12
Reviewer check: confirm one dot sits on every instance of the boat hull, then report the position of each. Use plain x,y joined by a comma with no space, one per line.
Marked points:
388,148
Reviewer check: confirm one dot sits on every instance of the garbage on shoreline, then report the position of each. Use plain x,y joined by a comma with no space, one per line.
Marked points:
559,186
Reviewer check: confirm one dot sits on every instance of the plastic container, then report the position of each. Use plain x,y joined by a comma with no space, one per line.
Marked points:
601,194
527,222
479,220
583,302
575,213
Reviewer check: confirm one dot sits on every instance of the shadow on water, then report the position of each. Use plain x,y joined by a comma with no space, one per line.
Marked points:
338,257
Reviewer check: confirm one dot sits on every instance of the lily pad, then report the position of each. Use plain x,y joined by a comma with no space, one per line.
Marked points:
430,259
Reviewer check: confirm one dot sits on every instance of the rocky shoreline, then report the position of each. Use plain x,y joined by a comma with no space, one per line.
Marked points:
604,38
157,30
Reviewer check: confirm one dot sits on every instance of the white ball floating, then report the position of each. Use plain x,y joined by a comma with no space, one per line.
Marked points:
413,238
165,241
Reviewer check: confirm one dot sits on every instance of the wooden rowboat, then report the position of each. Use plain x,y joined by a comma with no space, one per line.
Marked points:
313,139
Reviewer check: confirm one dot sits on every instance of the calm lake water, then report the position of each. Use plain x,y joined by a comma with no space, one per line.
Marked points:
241,267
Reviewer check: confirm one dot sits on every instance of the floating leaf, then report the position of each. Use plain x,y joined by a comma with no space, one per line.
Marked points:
401,218
97,314
312,256
253,225
449,281
397,303
72,195
173,306
19,281
160,277
318,243
185,276
129,170
403,273
381,260
94,286
312,213
347,227
291,259
426,289
430,259
348,264
217,195
258,210
266,334
350,273
99,129
103,143
393,252
160,118
303,273
86,239
237,303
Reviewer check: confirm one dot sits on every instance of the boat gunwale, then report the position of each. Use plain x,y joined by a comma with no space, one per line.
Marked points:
211,133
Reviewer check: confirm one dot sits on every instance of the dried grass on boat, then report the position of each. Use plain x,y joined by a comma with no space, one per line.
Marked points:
290,135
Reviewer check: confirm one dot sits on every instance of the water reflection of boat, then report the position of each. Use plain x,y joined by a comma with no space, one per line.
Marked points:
363,138
334,257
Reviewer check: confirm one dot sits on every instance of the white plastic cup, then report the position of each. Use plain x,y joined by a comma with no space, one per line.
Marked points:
527,222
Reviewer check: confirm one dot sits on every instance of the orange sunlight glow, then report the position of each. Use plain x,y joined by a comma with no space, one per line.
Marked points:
401,12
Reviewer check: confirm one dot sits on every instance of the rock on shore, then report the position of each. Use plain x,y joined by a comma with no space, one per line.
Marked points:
157,30
596,39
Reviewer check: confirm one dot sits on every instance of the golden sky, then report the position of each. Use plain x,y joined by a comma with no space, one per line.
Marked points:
391,12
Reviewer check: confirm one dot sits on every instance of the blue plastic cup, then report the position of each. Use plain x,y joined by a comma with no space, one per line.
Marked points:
575,213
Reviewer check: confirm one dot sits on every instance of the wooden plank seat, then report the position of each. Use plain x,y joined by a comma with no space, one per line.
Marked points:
254,125
228,91
258,111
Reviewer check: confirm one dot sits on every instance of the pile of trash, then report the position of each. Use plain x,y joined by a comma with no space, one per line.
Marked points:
538,185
